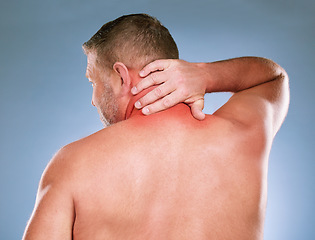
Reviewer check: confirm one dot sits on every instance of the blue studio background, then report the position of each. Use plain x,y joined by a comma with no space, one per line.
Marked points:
45,99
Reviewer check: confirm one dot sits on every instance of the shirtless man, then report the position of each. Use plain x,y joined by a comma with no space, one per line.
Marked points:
165,175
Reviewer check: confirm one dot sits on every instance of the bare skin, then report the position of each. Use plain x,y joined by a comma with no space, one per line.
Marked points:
168,175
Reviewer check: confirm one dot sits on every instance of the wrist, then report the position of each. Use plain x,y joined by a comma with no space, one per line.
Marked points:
206,76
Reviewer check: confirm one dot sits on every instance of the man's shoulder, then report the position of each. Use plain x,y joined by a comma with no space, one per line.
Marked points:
87,143
90,145
71,161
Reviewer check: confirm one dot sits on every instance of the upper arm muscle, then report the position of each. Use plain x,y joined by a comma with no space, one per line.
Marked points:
263,106
53,214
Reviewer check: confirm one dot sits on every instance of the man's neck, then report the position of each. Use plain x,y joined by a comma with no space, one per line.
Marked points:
131,110
181,110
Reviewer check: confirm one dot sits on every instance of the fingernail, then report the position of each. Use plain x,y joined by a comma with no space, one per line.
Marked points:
145,111
138,104
134,90
141,73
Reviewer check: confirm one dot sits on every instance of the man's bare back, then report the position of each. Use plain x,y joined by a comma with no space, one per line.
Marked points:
165,175
169,176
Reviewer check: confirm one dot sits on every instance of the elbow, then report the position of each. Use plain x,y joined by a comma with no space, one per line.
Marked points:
282,77
284,99
280,72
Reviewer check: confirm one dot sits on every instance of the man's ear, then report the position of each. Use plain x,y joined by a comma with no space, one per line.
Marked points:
123,73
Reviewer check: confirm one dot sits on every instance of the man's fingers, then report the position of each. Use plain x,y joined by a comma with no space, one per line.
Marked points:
151,80
152,77
154,95
196,109
157,65
160,105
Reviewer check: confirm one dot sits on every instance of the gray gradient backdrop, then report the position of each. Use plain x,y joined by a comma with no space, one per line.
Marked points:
45,98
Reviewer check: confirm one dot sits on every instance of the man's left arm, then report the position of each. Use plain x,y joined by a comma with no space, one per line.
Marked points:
53,214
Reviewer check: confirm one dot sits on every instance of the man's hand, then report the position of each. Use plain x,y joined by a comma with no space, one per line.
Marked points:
178,80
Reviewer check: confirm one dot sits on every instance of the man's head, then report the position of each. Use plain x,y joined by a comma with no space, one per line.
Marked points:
119,50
